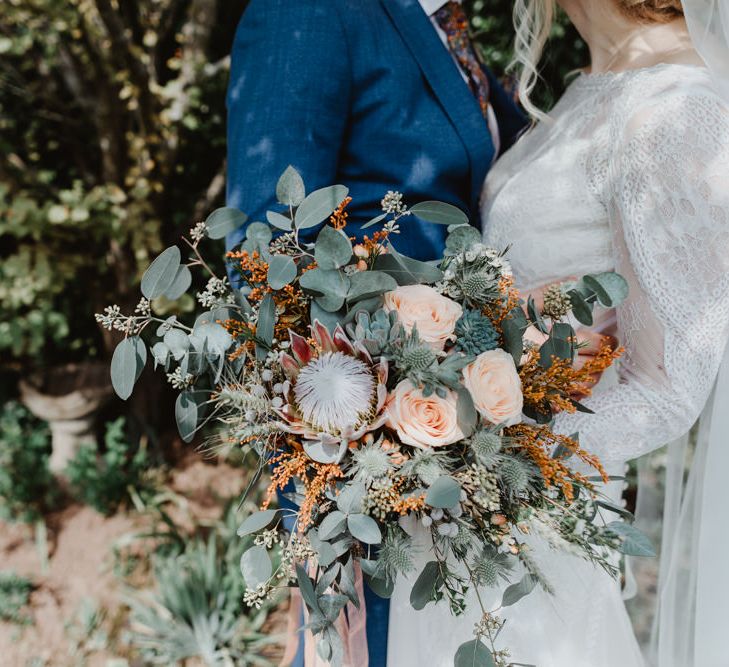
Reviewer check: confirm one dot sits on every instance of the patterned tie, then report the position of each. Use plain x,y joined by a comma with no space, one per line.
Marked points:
453,21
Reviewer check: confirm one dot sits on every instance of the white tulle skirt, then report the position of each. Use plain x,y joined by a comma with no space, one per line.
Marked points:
584,624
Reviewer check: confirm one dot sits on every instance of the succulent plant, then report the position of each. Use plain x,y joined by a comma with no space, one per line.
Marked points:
377,331
475,333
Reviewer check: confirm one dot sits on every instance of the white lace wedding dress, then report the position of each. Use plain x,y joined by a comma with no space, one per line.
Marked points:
632,175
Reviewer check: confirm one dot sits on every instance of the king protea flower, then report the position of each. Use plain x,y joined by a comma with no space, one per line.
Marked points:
336,394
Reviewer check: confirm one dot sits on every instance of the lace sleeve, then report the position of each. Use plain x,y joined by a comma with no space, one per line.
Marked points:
667,196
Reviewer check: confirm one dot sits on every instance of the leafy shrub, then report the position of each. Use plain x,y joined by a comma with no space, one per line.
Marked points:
14,597
197,610
27,486
112,133
104,481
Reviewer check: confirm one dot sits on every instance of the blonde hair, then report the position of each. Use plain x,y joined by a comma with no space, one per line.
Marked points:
533,23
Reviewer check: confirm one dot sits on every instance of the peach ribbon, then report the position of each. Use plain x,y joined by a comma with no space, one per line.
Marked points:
351,625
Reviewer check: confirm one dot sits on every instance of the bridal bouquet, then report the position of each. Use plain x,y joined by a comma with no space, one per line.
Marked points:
398,397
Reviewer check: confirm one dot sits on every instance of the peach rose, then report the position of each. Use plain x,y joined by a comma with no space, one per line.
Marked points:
495,386
423,422
422,307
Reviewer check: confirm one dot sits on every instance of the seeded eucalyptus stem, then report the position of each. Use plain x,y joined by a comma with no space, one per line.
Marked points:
199,261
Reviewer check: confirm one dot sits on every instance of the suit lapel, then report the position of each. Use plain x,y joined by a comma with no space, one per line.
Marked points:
452,92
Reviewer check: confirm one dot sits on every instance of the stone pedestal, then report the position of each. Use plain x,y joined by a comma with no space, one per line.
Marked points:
68,398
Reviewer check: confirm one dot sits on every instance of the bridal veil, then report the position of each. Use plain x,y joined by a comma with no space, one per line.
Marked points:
692,619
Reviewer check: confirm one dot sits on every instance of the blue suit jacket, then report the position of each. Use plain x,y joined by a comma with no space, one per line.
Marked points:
363,93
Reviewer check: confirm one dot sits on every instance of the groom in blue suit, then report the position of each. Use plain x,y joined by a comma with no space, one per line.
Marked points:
377,95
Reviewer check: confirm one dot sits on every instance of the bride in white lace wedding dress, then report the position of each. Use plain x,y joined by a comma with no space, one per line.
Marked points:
630,173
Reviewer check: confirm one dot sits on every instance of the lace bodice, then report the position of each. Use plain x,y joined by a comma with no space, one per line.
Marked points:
632,174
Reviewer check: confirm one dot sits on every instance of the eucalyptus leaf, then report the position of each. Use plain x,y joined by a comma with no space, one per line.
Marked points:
382,587
161,274
331,605
346,585
440,213
612,507
256,566
127,364
350,498
632,541
369,567
307,589
214,337
364,528
319,205
407,271
265,326
369,284
320,282
180,285
513,328
517,591
260,234
161,354
554,347
466,412
426,586
224,221
281,271
343,545
535,316
333,249
474,654
377,219
290,190
581,309
324,649
327,579
256,521
325,453
178,343
462,238
332,525
611,288
326,554
327,318
279,221
444,493
187,413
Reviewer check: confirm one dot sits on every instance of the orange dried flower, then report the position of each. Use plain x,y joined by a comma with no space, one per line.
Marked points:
546,389
510,299
539,442
316,477
338,219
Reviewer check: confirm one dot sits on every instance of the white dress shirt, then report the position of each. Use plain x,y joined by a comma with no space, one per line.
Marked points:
430,7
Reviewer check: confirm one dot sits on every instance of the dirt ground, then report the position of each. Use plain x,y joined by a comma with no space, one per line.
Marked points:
81,567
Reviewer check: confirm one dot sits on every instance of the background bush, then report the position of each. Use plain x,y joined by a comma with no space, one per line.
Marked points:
105,480
27,487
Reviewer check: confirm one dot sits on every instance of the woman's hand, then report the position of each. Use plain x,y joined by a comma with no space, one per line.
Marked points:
589,342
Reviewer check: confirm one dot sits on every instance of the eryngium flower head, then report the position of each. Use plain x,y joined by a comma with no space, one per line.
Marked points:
337,393
371,462
486,445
